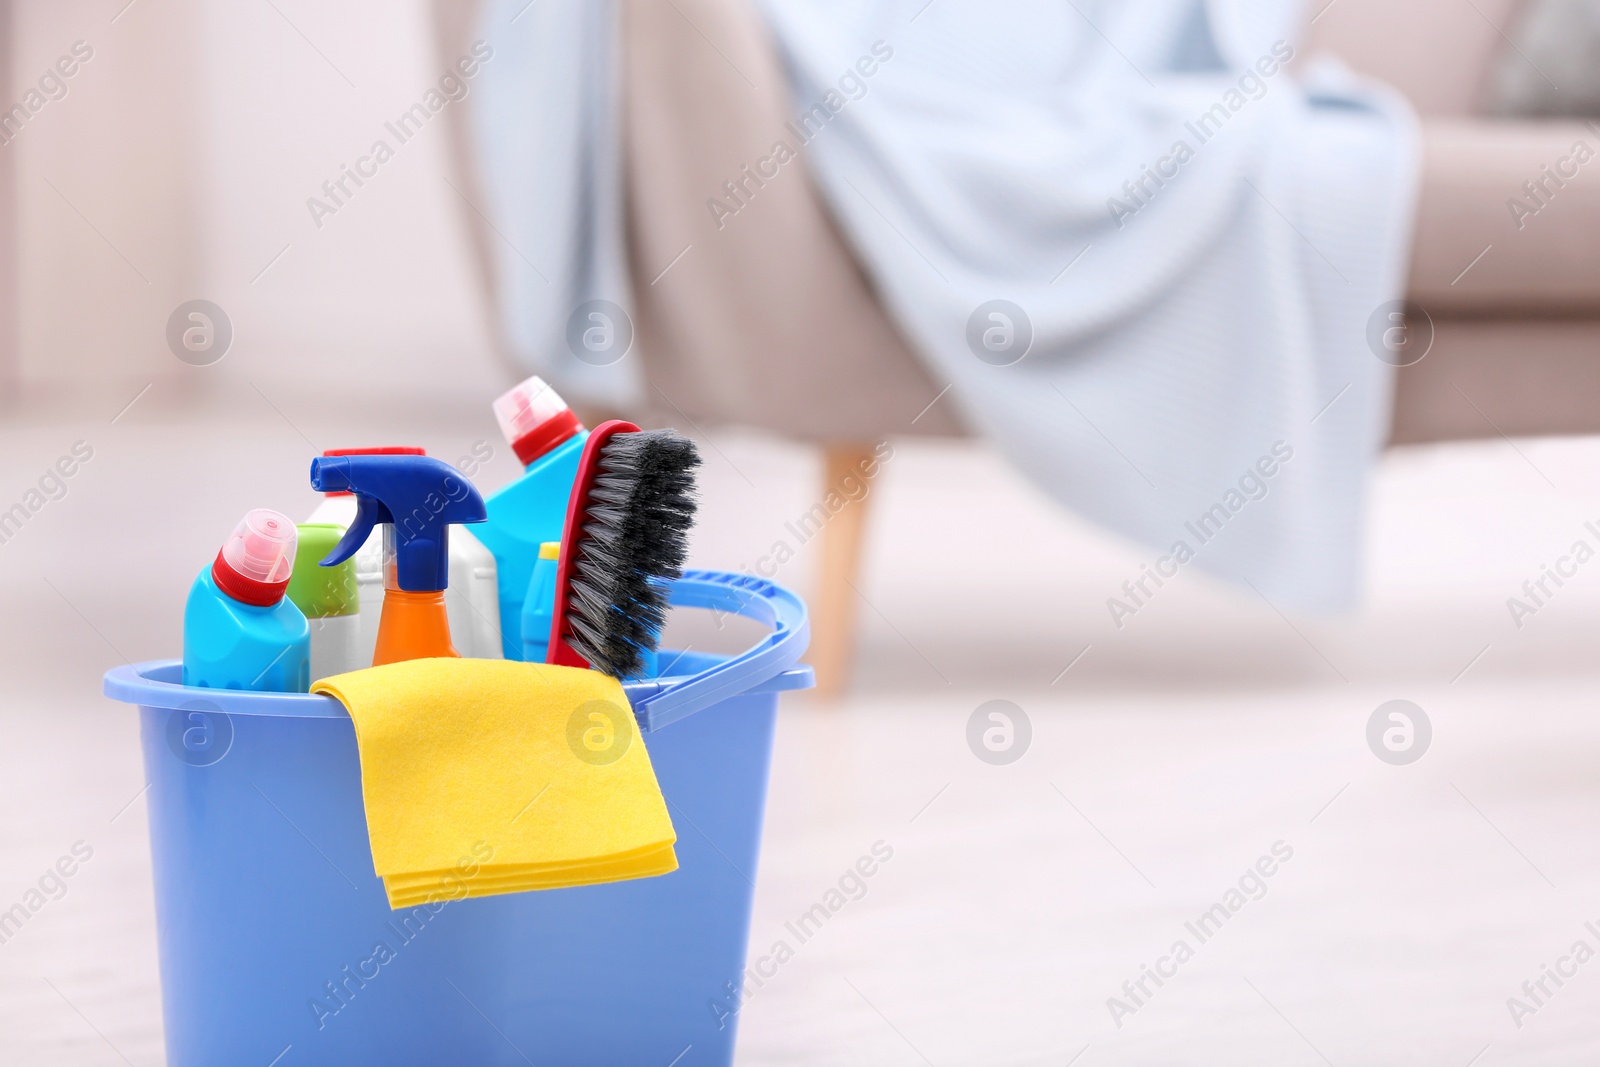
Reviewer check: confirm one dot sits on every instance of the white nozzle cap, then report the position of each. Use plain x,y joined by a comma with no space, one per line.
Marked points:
262,546
526,407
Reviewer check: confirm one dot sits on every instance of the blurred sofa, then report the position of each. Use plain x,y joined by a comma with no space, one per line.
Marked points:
1516,335
766,319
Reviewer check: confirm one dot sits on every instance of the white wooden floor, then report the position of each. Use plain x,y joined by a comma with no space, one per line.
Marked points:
1019,898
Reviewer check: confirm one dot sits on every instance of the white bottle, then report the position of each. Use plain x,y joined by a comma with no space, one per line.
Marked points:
474,604
471,597
336,646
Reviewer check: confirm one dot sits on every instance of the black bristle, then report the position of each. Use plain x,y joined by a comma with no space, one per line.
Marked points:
634,533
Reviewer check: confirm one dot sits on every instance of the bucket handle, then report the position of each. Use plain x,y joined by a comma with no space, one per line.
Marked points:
731,594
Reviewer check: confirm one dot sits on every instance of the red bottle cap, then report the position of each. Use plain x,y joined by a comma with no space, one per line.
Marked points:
255,562
535,419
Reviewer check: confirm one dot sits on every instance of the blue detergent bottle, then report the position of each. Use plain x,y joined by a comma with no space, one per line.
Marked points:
540,605
548,438
239,630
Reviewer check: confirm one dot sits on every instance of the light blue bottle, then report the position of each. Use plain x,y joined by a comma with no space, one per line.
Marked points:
239,630
548,438
540,605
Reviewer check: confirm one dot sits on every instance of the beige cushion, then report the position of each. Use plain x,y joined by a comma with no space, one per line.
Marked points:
1487,377
1553,70
1544,262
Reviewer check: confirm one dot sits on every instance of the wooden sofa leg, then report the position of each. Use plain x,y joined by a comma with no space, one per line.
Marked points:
833,605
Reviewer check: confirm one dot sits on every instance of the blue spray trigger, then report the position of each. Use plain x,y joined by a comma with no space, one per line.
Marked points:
418,496
369,512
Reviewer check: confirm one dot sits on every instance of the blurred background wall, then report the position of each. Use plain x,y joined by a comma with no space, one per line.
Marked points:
198,189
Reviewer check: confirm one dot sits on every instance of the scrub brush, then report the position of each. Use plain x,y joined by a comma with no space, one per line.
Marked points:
626,534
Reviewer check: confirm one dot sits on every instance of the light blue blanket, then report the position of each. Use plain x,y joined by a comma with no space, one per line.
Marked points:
1142,253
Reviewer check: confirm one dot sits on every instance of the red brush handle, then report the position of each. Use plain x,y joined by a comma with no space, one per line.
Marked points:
561,653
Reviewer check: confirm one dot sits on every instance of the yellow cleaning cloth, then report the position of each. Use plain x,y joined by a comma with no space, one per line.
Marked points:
492,776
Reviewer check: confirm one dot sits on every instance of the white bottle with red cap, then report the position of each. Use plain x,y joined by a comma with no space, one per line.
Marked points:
471,600
239,630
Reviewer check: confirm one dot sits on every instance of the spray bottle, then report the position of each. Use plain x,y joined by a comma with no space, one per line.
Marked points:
548,438
417,499
339,509
239,630
471,600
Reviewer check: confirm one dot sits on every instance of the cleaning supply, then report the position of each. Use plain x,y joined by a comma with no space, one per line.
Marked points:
329,599
239,631
548,438
416,499
627,529
339,509
540,603
471,599
487,777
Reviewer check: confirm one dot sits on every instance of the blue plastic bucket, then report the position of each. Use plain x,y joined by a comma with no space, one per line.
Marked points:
278,946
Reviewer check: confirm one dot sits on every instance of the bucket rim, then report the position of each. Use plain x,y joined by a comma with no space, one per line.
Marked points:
151,684
770,666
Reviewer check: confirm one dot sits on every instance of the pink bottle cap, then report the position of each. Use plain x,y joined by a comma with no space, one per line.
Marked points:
256,560
534,419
